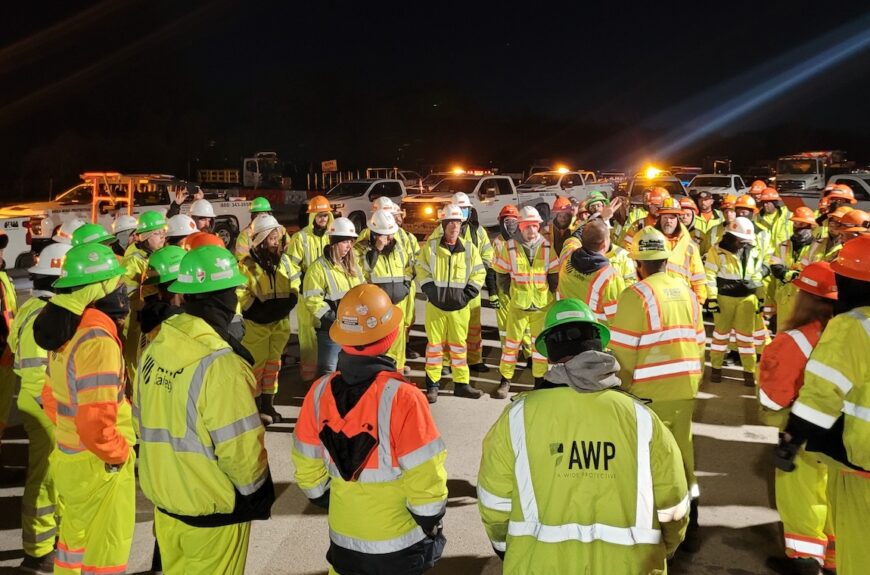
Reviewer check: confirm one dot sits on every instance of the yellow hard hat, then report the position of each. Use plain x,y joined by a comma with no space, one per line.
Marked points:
650,244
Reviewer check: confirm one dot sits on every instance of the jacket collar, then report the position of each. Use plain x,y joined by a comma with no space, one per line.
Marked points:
93,317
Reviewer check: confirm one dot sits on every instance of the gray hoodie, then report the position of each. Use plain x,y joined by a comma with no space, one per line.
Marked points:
588,371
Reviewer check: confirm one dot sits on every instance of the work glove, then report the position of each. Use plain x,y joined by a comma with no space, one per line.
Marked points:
494,301
712,305
791,275
784,454
760,308
778,271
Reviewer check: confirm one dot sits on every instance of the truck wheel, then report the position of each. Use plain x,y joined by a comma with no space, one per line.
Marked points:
25,260
224,231
544,210
359,221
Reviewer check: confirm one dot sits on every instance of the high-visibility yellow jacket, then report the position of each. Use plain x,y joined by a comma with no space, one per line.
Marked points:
635,214
84,392
821,250
529,284
726,274
201,437
630,230
242,246
325,284
8,299
266,297
704,225
601,493
658,338
451,271
305,246
623,263
390,269
837,383
685,263
408,241
781,291
30,359
476,235
777,225
372,507
600,290
135,261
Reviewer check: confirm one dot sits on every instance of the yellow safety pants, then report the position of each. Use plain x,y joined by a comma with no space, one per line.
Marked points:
188,550
266,342
307,343
784,299
397,350
475,337
676,414
99,513
501,318
850,502
519,323
738,314
39,505
447,333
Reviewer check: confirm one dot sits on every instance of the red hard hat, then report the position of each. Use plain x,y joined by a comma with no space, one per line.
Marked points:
509,211
562,204
818,279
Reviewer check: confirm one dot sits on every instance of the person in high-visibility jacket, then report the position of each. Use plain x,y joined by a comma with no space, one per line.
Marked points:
325,283
507,229
576,476
587,275
689,217
366,448
685,261
40,507
93,464
385,263
653,199
306,246
269,294
151,236
707,217
124,229
833,197
562,224
734,277
527,267
774,217
8,309
801,497
727,207
658,338
854,224
199,425
451,274
785,265
242,247
825,249
830,413
746,207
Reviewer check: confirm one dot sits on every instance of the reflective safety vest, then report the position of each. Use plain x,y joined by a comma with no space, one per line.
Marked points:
636,226
703,225
601,493
723,265
31,360
623,263
479,238
777,225
8,299
658,338
135,261
403,473
242,246
822,250
306,247
599,290
781,372
325,284
201,437
685,263
780,294
390,270
529,287
84,392
263,286
837,381
450,271
408,241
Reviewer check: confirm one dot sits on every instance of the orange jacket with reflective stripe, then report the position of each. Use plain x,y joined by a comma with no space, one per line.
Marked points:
781,372
658,338
84,392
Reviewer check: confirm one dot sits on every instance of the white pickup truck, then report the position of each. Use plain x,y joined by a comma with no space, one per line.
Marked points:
577,184
353,199
100,198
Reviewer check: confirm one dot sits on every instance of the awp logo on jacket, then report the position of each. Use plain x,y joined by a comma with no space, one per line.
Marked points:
162,377
586,459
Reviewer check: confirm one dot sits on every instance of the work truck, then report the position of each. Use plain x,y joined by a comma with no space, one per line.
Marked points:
809,171
563,182
262,174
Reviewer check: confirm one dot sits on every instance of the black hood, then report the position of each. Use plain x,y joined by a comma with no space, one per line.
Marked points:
587,262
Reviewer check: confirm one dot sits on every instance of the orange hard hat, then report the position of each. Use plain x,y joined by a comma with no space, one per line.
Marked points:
318,205
841,193
856,221
670,205
853,261
818,279
655,196
688,204
365,315
509,211
562,204
728,201
199,239
769,195
757,187
804,215
839,213
747,202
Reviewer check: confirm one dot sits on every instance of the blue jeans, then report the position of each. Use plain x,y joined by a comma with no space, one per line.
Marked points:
327,352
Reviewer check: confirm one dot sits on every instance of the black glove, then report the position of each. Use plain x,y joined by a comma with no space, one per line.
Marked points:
712,305
327,320
760,306
765,270
784,454
778,271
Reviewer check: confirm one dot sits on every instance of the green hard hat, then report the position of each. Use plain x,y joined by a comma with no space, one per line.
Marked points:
150,221
569,311
163,265
260,204
91,234
88,264
597,197
207,269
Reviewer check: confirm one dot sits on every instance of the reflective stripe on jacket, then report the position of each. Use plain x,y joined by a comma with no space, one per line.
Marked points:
781,372
529,285
685,263
325,284
450,271
392,270
30,359
726,271
306,247
600,290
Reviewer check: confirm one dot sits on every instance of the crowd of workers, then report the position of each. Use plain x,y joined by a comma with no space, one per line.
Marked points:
155,336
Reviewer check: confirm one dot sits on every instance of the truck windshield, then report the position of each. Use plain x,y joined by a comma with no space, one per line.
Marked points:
352,189
80,194
808,166
453,185
543,180
711,182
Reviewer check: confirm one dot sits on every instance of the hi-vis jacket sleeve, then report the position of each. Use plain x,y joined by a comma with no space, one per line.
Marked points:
311,474
478,270
711,268
421,454
245,292
670,490
485,246
423,266
626,328
495,482
233,423
698,277
781,371
49,405
314,291
98,369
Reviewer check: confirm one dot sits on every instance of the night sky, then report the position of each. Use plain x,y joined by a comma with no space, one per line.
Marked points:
171,86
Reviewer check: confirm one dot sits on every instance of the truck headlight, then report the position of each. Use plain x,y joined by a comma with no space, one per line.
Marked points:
428,211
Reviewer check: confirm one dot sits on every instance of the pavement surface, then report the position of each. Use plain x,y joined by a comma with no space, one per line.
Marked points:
740,528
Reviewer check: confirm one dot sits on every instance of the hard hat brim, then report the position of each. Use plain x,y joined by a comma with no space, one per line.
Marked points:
343,337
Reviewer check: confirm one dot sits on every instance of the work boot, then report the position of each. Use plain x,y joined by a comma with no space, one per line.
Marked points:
479,367
445,371
539,381
42,565
692,542
431,390
411,354
748,379
793,565
733,357
716,375
465,390
503,389
406,371
267,410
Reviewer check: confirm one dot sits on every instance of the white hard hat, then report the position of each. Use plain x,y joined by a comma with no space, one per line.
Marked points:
384,203
530,215
452,212
382,222
461,200
50,260
202,209
64,234
180,225
262,226
342,227
742,228
123,223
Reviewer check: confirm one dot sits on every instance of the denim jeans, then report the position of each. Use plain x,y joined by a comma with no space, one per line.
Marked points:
327,352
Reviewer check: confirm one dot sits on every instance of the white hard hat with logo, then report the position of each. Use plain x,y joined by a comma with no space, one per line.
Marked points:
64,234
202,209
384,203
382,222
452,212
530,215
342,228
50,260
180,225
461,200
742,228
123,223
262,226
